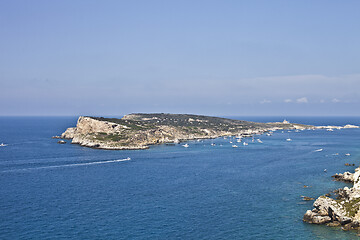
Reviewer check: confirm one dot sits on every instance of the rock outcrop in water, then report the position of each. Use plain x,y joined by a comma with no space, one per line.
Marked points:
139,131
344,177
343,211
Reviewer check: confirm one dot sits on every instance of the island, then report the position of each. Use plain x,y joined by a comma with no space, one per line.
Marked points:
141,130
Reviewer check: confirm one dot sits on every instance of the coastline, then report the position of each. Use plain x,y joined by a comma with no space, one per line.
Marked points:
342,211
140,131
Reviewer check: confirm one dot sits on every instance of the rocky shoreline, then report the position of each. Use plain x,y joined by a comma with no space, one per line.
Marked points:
139,131
342,211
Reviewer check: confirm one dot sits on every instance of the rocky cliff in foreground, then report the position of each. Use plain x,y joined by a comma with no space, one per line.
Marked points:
139,131
343,211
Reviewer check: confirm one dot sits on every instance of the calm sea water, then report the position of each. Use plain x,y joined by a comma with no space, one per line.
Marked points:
53,191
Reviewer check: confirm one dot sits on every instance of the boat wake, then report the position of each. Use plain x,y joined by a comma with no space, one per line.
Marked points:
69,165
318,150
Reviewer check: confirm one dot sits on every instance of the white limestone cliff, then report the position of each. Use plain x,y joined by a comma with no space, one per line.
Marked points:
343,211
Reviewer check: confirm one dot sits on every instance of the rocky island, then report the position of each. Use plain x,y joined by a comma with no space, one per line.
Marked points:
140,130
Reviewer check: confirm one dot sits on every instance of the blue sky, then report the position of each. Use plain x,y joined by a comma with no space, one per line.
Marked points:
207,57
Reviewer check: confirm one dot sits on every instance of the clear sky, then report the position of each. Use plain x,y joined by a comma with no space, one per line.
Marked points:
72,57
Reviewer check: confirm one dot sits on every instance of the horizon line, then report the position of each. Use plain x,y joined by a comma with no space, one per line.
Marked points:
219,115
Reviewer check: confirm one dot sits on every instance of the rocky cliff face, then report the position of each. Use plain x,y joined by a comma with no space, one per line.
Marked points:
343,211
90,132
138,131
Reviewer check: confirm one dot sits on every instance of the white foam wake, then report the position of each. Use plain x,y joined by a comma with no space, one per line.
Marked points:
70,165
318,150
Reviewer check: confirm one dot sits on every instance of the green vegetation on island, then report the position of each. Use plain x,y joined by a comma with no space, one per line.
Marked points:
140,130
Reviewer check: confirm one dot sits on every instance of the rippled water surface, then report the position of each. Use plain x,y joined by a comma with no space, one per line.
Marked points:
53,191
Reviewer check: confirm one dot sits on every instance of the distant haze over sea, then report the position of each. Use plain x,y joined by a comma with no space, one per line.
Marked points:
203,57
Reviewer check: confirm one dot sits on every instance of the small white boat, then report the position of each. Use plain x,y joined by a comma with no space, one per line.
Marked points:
330,129
230,142
289,139
245,143
3,145
259,141
325,170
128,159
239,140
234,146
318,150
213,144
186,145
347,154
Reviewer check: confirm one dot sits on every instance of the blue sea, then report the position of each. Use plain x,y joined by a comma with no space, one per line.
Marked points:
53,191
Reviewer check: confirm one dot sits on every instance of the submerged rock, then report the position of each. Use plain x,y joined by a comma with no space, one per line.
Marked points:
349,164
307,198
333,224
